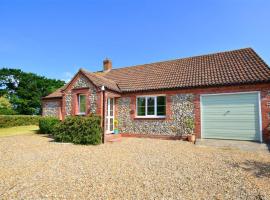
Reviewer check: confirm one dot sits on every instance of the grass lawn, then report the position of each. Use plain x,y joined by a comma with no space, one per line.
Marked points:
18,130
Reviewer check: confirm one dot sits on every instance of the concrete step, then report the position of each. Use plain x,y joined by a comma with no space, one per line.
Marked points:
113,138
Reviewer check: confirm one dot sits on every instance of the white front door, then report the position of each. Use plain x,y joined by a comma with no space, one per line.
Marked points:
110,116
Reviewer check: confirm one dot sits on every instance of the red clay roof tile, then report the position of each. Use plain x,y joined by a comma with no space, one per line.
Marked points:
225,68
241,66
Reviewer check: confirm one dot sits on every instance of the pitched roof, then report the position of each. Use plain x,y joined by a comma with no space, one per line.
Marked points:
101,81
56,94
94,78
241,66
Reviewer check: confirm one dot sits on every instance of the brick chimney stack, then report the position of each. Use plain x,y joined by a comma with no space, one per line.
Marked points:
107,65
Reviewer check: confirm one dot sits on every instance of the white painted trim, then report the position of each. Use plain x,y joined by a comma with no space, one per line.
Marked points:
146,107
231,93
108,117
151,116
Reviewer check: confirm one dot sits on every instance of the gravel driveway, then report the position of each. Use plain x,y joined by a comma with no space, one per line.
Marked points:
35,167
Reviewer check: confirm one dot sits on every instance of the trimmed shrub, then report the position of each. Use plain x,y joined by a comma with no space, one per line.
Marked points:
7,111
18,120
47,124
79,130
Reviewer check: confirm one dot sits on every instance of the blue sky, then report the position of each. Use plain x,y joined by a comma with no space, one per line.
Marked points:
55,38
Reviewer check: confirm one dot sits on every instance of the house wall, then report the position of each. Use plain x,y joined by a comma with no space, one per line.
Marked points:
52,108
182,103
69,98
180,107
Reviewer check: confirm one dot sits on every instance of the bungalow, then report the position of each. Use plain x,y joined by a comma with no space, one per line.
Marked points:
227,94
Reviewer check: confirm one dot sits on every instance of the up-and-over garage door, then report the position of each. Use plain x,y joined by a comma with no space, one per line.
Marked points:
231,116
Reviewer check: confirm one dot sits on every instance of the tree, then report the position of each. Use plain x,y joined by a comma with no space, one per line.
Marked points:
5,106
25,90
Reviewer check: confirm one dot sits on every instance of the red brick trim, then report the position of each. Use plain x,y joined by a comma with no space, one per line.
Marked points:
99,103
74,104
168,107
75,78
133,107
163,137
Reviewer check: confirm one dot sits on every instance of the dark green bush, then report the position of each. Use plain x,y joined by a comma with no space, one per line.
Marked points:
47,124
18,120
79,130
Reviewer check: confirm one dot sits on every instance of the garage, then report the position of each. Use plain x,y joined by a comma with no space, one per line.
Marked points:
231,116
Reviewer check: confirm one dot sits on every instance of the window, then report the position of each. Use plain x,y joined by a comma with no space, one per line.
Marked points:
82,104
151,106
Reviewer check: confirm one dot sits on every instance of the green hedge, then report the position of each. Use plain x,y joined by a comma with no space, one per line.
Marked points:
79,130
18,120
47,124
7,111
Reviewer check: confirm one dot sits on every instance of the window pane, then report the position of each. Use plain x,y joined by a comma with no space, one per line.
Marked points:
141,101
111,124
161,105
161,101
106,124
141,106
82,102
141,111
111,107
161,110
150,106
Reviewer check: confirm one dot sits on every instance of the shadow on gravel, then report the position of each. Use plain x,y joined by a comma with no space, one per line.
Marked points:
258,169
49,136
268,146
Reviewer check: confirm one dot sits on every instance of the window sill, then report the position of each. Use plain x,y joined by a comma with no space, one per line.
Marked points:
153,118
80,114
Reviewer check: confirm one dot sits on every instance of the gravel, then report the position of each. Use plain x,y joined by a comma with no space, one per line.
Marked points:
35,167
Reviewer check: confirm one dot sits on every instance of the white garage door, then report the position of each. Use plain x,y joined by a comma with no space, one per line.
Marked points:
231,116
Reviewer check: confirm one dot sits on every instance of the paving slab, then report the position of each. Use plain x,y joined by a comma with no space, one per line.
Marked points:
235,144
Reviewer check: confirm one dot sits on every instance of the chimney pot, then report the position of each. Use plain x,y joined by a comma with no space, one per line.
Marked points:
107,65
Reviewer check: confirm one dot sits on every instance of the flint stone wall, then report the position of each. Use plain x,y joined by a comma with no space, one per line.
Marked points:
51,109
82,82
182,107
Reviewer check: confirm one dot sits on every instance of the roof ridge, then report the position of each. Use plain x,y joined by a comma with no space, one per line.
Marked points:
189,57
96,75
100,77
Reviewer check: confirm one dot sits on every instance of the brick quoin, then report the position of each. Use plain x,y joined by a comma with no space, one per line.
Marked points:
75,93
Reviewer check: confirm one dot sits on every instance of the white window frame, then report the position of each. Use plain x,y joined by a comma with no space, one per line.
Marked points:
109,116
146,107
79,104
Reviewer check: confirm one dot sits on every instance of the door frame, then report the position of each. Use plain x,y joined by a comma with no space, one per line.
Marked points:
230,93
107,116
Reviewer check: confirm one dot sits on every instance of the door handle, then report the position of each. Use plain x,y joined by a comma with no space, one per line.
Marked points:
227,112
